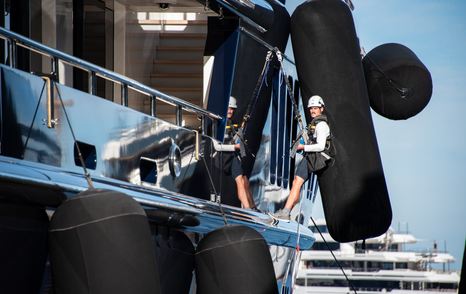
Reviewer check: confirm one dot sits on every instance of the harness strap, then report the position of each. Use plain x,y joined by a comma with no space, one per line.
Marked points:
256,92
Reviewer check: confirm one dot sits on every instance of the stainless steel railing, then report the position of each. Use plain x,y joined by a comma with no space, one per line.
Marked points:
14,40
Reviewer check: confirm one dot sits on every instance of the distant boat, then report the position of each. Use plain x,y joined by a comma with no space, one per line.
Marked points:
385,265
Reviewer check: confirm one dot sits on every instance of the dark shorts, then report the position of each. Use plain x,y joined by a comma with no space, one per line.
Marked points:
302,170
236,168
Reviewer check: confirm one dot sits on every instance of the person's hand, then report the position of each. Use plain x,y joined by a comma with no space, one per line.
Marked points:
300,147
237,147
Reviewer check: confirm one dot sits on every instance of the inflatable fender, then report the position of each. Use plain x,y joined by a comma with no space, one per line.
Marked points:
23,243
327,54
399,84
100,243
234,259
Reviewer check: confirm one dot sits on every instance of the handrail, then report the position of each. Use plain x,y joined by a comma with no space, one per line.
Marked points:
125,82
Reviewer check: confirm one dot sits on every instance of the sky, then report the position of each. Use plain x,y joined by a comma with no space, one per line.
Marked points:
424,157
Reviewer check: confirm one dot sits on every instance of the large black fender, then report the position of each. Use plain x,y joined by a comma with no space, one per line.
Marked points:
399,84
100,242
23,247
327,54
234,259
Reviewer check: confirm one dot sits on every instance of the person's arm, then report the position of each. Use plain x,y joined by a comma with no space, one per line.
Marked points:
223,147
322,132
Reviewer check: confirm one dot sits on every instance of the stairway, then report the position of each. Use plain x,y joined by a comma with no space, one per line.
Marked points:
178,65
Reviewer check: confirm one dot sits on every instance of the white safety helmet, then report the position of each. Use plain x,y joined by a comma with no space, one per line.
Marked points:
232,102
315,101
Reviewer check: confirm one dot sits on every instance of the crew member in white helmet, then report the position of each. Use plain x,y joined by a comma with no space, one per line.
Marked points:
316,153
232,159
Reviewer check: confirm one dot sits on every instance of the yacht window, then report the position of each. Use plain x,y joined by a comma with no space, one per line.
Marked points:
393,247
322,247
372,285
327,283
401,265
300,282
323,264
387,265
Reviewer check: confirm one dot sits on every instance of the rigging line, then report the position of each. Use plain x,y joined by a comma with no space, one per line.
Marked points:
215,192
404,92
297,114
33,119
297,252
221,171
257,90
87,176
334,257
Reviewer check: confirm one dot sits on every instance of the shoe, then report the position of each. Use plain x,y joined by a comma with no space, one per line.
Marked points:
283,215
255,209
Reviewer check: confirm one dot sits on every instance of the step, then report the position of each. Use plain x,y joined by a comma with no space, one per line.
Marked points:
177,67
175,82
180,48
182,42
178,62
180,55
169,22
178,35
177,75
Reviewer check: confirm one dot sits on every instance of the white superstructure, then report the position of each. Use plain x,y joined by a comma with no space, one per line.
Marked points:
383,266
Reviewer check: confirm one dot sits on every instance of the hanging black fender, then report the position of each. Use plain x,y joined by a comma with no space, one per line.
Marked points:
399,84
234,259
327,54
100,243
23,247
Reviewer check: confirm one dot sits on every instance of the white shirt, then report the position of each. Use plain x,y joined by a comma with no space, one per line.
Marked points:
321,134
223,147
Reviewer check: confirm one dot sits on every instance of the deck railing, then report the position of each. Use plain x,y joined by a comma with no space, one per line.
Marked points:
14,40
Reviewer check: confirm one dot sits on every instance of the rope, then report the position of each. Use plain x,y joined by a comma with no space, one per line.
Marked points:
81,159
297,114
404,92
256,92
215,191
298,117
335,258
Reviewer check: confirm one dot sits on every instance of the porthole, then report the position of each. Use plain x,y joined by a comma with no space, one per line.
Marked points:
174,160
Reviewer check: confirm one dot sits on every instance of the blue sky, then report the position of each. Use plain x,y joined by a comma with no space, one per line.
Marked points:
424,157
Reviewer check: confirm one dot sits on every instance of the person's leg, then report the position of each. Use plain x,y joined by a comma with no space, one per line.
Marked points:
294,193
301,175
237,173
241,191
252,204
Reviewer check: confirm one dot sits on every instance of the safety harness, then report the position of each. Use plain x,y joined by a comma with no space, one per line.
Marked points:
328,151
